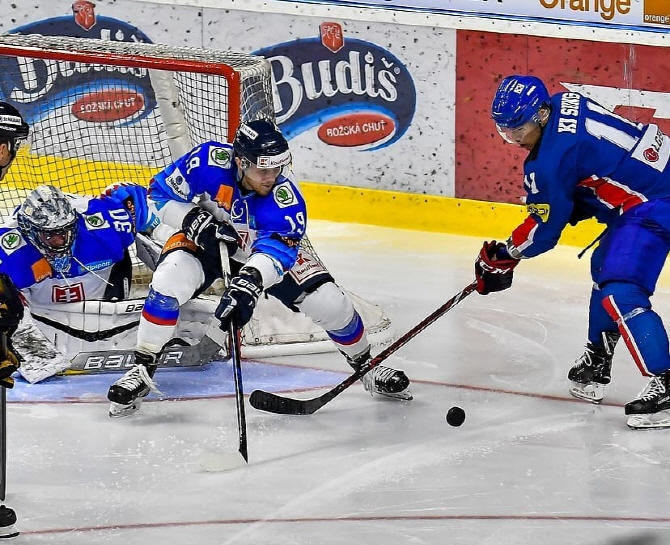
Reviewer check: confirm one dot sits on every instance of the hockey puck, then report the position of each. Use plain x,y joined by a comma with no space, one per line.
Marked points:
455,416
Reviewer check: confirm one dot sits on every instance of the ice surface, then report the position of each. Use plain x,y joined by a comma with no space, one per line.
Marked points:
529,465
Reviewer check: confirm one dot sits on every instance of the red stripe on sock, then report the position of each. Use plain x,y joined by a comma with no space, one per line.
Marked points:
614,312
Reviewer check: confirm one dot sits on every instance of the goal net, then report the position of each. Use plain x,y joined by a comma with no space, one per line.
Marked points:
102,112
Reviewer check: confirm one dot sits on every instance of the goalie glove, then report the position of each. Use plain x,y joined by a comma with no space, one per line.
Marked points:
494,268
11,306
239,300
11,313
9,363
201,227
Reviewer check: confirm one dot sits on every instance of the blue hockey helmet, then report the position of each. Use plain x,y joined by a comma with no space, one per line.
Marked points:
518,100
261,143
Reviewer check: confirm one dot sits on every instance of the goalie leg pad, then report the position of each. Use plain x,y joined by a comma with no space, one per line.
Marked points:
332,309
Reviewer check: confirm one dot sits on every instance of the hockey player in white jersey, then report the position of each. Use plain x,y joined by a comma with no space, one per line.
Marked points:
241,195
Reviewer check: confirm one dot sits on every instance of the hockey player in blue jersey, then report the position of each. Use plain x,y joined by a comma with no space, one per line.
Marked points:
65,249
241,195
585,161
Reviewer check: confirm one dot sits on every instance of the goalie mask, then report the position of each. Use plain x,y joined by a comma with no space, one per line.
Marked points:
46,218
516,106
260,143
13,131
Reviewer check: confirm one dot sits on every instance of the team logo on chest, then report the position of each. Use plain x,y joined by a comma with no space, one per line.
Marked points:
284,196
73,293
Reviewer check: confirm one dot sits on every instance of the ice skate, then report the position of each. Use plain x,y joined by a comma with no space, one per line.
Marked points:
126,393
592,372
7,522
652,407
382,380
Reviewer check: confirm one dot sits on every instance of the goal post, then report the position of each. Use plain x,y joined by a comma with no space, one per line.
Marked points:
96,118
103,112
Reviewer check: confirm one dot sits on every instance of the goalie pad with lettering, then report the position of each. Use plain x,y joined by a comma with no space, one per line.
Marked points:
53,335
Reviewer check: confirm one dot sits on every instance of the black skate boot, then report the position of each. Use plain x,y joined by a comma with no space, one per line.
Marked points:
592,372
652,407
382,380
126,393
7,522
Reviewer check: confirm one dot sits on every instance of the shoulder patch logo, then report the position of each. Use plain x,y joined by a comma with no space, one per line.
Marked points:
539,210
95,221
284,195
219,157
11,241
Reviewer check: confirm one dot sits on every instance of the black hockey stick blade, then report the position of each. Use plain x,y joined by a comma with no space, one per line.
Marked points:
273,403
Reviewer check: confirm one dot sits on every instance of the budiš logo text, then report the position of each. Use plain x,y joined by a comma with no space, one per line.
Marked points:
108,94
357,94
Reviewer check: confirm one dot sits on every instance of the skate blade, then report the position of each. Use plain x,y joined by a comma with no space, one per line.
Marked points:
117,410
592,392
405,395
8,531
652,421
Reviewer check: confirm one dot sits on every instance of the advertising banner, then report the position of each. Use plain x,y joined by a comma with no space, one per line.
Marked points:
369,105
632,80
642,14
361,104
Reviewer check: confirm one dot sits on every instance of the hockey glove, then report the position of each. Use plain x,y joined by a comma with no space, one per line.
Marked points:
8,364
239,299
11,307
494,268
201,227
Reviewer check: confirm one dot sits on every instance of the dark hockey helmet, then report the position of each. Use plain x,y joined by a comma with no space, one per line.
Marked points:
12,126
518,100
47,219
261,143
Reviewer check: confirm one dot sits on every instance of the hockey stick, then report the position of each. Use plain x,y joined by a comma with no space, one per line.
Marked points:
273,403
224,461
234,348
3,423
12,314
